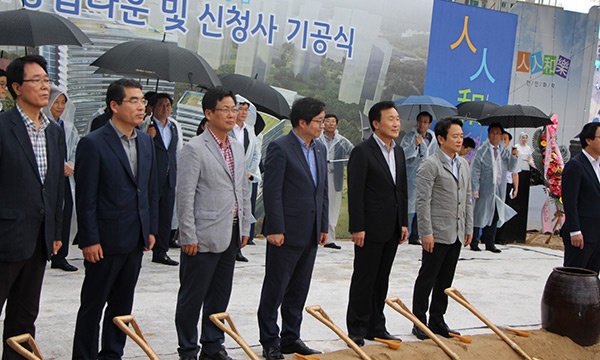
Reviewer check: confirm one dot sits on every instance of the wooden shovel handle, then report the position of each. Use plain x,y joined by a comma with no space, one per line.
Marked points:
456,295
322,316
219,320
396,304
136,334
16,341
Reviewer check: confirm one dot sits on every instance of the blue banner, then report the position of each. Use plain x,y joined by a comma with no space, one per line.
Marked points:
470,53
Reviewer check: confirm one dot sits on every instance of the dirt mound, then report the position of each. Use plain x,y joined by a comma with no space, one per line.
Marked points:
541,344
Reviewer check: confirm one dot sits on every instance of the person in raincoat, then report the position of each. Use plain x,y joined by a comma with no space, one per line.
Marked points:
243,132
338,151
418,144
489,166
62,110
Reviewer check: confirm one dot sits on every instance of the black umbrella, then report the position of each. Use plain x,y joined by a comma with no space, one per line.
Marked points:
36,28
155,59
263,96
517,116
477,109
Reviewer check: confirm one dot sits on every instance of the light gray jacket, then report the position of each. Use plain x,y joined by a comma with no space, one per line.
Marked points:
444,205
206,194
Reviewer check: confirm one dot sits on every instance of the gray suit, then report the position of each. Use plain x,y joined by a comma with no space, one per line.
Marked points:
444,210
206,197
444,205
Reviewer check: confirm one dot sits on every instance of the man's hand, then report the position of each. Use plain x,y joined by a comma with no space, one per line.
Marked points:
403,235
468,239
577,241
475,195
276,239
55,246
190,250
93,253
515,192
244,240
428,242
358,238
151,242
152,131
249,176
418,140
323,238
68,168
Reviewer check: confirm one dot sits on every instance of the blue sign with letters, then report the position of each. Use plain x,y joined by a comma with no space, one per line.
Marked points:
470,53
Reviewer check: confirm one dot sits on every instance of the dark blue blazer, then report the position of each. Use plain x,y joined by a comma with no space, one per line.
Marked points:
114,208
166,158
375,204
24,201
581,196
293,204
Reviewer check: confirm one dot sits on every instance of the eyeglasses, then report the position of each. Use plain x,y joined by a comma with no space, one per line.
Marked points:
228,110
39,82
136,101
3,85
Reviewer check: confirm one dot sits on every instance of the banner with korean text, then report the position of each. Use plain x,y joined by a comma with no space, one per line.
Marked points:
470,53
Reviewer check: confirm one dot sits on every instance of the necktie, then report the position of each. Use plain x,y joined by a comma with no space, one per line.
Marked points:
496,153
246,140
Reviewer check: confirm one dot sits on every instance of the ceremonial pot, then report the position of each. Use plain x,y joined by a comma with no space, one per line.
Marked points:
571,305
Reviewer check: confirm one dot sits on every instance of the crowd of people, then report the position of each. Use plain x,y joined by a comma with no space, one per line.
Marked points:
132,182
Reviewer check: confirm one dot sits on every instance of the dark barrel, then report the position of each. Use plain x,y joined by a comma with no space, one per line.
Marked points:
571,305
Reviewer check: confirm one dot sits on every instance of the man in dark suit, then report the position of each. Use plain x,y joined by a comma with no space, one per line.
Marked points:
117,215
296,210
581,196
378,209
32,152
166,141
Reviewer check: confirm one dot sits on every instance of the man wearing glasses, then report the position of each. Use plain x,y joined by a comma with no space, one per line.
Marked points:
117,216
213,205
32,184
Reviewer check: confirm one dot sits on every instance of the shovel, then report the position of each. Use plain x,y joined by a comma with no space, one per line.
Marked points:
396,304
322,316
137,336
16,341
218,319
456,295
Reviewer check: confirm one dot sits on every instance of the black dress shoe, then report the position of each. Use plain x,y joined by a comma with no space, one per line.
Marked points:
187,358
240,257
357,339
332,245
164,259
175,244
63,265
272,353
442,329
420,334
221,355
299,347
385,336
250,242
414,242
493,249
475,247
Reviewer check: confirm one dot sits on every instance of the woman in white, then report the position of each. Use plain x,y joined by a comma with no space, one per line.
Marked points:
525,153
62,110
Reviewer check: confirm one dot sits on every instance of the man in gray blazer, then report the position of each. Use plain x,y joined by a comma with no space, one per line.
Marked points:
213,204
445,221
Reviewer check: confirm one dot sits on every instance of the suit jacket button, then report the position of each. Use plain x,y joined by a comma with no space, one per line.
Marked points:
42,212
139,190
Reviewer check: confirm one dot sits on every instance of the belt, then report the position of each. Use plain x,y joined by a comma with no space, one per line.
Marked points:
235,221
